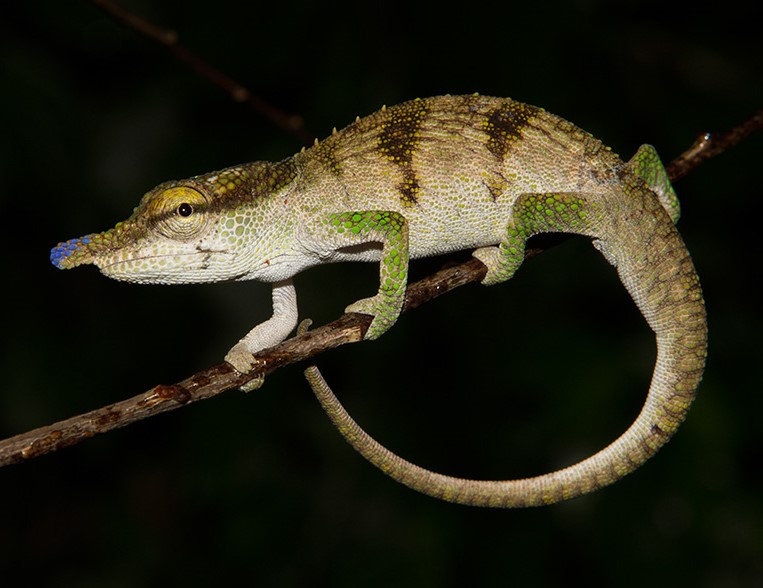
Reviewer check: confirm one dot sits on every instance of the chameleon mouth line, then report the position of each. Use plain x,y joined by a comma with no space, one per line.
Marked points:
201,253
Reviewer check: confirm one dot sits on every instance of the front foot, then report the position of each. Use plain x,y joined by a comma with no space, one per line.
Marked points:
243,361
241,358
266,334
383,308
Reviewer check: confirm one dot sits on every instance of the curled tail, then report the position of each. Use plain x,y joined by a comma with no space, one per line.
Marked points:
637,236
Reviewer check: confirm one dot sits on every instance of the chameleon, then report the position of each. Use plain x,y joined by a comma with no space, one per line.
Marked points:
423,178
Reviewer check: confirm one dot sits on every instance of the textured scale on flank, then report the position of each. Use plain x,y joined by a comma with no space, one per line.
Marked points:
424,178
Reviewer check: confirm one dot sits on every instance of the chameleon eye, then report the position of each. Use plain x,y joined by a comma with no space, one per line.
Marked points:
179,212
185,209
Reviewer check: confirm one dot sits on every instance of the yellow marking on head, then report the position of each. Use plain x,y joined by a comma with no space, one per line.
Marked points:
169,200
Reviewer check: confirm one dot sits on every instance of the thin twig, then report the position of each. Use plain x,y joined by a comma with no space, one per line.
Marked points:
349,328
709,145
292,123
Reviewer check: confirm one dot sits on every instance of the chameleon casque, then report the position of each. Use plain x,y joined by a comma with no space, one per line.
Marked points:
423,178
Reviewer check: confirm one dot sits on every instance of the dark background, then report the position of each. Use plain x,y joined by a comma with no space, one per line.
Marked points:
491,383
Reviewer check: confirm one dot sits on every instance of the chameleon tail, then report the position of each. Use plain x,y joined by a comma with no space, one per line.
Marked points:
655,267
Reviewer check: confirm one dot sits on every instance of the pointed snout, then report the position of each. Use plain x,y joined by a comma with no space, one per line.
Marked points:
72,253
88,249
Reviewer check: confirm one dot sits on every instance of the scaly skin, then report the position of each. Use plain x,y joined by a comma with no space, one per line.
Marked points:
424,178
663,283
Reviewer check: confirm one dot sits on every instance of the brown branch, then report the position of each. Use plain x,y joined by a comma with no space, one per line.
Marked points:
291,123
349,328
709,145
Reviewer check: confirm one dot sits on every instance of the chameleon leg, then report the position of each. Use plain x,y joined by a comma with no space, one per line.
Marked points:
533,214
646,164
266,334
391,230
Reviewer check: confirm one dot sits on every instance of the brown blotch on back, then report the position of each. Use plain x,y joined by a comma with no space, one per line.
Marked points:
325,153
504,125
398,141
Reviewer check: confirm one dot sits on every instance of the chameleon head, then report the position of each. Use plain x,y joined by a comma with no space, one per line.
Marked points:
172,237
210,228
